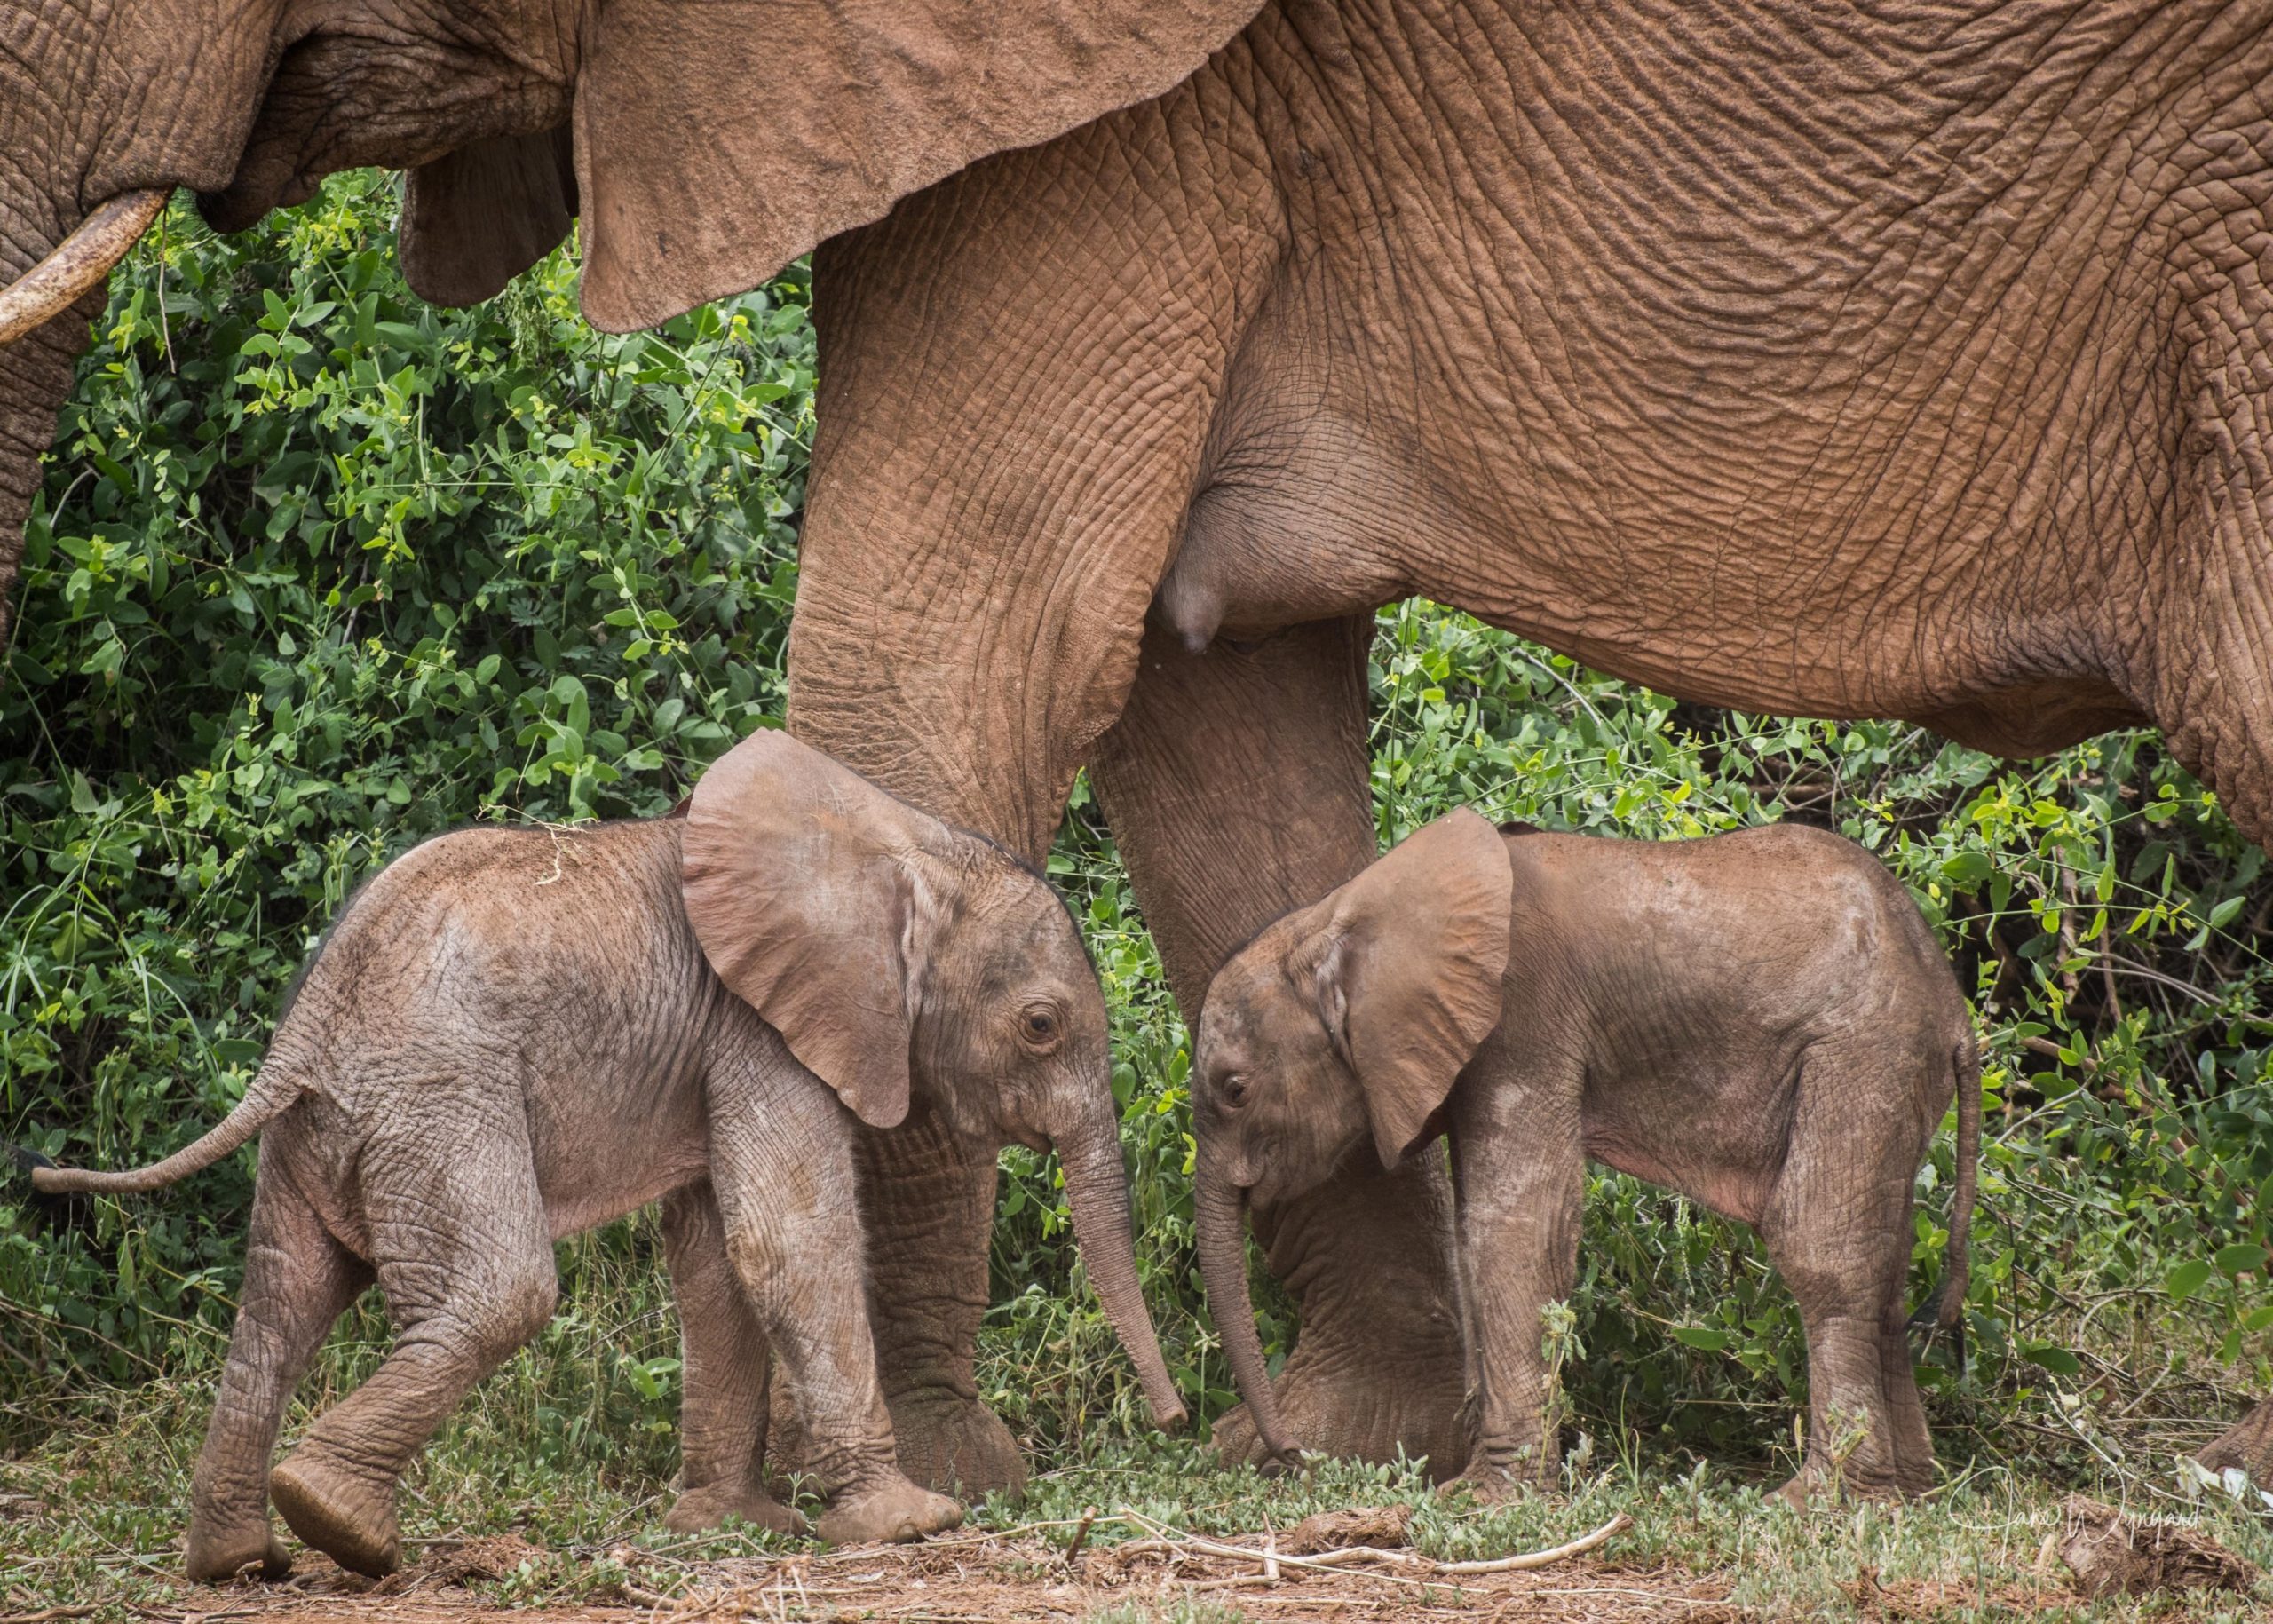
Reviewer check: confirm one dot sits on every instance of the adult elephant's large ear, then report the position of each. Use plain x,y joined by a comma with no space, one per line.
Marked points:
1405,962
799,877
719,140
475,218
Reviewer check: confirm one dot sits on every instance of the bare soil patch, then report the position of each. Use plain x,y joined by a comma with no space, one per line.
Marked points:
1027,1577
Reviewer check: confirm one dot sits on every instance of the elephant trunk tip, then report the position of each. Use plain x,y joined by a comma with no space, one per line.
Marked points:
1289,1461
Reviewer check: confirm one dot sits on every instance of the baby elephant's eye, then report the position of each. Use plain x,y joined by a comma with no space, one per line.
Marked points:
1039,1026
1234,1089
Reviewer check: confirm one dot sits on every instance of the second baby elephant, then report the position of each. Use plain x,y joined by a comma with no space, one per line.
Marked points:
1761,1020
512,1035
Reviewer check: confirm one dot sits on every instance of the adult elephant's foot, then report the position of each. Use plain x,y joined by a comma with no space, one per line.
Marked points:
2248,1445
344,1514
1819,1483
1804,1488
892,1510
946,1441
712,1504
1496,1474
955,1445
216,1555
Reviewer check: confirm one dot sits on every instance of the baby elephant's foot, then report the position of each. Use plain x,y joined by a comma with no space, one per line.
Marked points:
216,1555
893,1511
710,1506
343,1513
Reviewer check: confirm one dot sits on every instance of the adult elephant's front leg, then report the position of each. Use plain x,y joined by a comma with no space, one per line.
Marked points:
1238,787
927,1206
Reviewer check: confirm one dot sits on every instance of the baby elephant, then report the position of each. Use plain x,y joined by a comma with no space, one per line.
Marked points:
512,1035
1760,1020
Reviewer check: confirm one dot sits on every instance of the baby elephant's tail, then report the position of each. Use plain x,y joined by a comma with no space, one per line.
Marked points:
270,1094
1945,1311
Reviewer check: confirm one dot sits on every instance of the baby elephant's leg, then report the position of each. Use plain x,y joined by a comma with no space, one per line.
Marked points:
1520,1182
297,1281
463,1253
1837,1226
781,1164
723,1372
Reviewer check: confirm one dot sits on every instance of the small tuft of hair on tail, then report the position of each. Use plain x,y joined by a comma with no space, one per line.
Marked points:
1944,1309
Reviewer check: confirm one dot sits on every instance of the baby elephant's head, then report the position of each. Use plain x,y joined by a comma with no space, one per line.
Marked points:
1345,1022
906,963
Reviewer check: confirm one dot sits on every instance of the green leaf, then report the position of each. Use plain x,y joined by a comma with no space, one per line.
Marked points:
1967,868
2058,1360
2240,1257
2184,1280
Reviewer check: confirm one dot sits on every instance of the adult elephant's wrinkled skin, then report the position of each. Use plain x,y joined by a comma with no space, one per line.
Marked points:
1904,362
1907,360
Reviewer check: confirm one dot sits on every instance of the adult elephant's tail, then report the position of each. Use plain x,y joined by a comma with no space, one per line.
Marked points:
271,1093
1944,1310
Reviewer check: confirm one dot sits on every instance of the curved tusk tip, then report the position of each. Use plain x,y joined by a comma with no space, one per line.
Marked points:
79,263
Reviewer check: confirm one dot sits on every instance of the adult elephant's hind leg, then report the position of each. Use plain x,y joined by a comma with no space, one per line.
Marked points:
1237,784
723,1370
2223,731
2207,674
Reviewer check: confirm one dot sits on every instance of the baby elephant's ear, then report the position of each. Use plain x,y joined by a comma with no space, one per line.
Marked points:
797,877
1407,969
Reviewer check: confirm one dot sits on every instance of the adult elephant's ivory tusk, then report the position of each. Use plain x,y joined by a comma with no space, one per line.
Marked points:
77,263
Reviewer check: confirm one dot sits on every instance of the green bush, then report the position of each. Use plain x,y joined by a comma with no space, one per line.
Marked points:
319,570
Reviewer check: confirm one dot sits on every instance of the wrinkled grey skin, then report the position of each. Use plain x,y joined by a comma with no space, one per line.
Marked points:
513,1036
1760,1020
1907,360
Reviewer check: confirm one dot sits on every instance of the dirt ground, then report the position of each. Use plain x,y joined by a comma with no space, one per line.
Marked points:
1026,1579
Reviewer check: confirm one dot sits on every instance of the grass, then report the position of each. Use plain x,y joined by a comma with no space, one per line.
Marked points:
108,1504
573,1446
91,1517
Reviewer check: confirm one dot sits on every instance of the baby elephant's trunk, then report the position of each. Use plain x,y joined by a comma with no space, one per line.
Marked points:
1097,1189
1220,1229
268,1096
1945,1311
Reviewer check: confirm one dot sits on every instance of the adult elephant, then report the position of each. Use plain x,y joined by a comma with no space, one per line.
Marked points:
1904,359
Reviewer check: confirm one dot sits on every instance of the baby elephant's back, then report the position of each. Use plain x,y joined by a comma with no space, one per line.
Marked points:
491,950
1789,933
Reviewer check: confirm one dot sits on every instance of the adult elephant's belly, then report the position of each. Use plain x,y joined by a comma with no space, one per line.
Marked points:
1817,379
